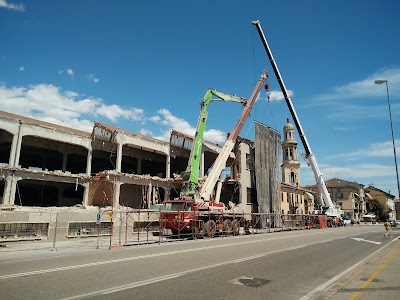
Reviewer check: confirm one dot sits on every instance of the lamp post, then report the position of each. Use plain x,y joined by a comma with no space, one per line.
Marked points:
391,127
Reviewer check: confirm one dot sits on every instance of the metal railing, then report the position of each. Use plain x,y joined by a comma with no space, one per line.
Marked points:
119,228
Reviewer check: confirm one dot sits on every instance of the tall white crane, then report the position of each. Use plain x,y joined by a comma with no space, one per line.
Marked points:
331,210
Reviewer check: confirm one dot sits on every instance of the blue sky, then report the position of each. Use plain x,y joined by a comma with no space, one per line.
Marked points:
144,66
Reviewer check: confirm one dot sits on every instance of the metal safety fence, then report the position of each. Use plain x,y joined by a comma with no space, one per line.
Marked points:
134,227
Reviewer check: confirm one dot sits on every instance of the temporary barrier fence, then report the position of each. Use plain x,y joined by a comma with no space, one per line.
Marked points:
119,228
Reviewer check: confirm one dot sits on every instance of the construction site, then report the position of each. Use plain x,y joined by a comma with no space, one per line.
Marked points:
61,182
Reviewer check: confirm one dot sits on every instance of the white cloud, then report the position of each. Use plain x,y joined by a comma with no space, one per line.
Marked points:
278,96
145,132
176,123
366,87
12,6
22,68
350,112
49,103
384,149
214,135
169,122
69,72
360,173
155,118
91,77
114,112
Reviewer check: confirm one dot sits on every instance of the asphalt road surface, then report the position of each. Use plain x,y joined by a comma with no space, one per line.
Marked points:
306,264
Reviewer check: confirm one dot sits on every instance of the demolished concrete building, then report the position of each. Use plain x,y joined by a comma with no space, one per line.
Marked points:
47,166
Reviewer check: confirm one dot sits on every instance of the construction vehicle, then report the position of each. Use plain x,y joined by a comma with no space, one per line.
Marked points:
197,211
328,208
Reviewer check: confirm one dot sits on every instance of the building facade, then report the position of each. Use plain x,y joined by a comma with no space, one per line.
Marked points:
387,201
350,196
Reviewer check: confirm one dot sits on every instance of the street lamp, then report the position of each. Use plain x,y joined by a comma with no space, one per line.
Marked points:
391,127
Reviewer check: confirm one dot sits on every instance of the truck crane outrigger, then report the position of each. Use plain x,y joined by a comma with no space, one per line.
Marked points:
330,209
195,211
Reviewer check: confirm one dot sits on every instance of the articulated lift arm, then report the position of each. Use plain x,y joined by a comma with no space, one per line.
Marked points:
220,162
310,158
191,176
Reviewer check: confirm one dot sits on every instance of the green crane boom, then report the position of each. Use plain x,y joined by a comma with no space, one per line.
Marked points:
191,176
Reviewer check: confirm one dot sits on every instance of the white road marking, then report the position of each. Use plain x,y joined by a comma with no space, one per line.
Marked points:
368,241
99,263
331,281
175,275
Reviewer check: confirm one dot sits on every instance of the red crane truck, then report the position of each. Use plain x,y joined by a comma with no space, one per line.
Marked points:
196,211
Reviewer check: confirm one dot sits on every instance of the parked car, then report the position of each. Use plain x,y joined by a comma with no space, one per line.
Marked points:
346,222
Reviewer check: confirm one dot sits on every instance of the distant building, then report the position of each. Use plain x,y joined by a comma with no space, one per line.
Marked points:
350,196
386,199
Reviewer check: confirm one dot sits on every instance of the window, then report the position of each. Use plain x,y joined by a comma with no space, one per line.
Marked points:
249,162
292,179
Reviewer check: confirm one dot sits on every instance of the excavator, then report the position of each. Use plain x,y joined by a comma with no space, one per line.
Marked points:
196,211
328,208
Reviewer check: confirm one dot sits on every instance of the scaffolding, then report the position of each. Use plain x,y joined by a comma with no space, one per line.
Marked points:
267,153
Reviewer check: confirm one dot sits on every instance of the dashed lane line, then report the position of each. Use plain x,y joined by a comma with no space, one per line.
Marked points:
99,263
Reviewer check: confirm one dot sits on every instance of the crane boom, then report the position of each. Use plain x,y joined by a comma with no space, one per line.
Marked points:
220,162
191,176
309,156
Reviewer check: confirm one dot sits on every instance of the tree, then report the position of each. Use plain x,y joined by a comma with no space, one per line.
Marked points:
377,208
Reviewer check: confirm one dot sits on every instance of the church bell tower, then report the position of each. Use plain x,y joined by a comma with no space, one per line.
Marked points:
290,164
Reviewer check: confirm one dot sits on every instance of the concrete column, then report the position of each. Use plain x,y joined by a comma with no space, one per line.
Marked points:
168,167
13,153
60,195
89,163
64,162
16,148
85,200
119,157
139,166
166,194
117,194
9,191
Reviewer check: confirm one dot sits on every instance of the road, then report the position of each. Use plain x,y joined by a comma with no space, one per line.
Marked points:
307,264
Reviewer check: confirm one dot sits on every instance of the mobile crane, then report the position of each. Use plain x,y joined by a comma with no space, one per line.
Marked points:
190,188
196,211
329,208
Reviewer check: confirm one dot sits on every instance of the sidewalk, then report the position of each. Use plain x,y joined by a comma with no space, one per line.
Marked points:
86,243
377,278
